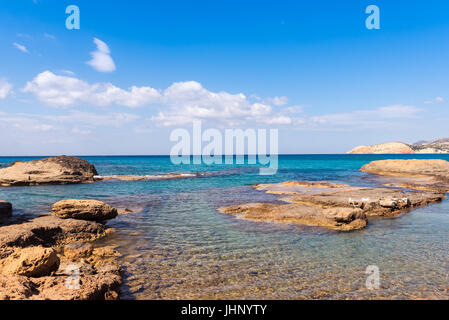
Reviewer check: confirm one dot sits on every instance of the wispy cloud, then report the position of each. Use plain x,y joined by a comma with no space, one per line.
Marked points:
101,58
49,36
5,88
437,100
20,47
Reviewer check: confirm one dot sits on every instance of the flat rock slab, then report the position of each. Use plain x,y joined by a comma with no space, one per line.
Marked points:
426,174
54,170
49,231
343,219
336,206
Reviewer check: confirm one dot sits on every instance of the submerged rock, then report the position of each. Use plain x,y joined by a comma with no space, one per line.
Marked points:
92,210
54,170
5,209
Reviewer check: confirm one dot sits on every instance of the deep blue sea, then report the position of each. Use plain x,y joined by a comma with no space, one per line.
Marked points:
176,245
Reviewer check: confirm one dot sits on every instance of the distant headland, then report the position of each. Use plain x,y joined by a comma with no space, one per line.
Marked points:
429,147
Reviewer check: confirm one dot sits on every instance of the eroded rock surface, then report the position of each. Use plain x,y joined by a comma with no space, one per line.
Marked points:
30,262
50,231
46,258
336,206
92,210
54,170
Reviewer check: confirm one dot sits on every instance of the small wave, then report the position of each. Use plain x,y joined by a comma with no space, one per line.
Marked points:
176,175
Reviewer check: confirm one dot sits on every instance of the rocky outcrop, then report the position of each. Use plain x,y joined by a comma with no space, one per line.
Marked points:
429,147
50,231
31,262
5,209
384,148
336,206
54,170
91,210
48,258
425,174
339,218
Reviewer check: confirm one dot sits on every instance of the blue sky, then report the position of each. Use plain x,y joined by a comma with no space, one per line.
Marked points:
309,68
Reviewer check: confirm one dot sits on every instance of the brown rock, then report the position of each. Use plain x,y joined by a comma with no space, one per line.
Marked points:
92,287
76,250
342,219
431,174
340,207
49,231
5,209
92,210
54,170
31,262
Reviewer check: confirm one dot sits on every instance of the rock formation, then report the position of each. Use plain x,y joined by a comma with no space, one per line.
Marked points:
54,170
91,210
425,174
336,206
48,258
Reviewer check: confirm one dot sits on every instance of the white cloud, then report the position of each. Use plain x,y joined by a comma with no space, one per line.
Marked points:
101,58
187,101
182,101
64,91
279,101
5,88
20,47
435,101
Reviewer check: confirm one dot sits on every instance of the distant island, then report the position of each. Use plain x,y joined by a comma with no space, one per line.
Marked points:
436,146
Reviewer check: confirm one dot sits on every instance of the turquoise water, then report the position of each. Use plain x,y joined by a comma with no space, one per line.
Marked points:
177,245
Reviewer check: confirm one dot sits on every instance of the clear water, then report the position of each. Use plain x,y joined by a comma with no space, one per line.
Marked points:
177,245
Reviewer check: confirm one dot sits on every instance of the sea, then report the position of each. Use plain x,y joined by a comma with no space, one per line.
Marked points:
175,244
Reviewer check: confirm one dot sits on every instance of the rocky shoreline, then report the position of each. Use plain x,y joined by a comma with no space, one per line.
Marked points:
49,257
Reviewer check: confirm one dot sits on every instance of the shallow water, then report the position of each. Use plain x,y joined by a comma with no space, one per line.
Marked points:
177,245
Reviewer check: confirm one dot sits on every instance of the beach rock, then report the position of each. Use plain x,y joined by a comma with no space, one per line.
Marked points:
49,231
436,168
91,287
54,170
384,148
31,262
76,250
336,206
92,210
342,219
5,209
